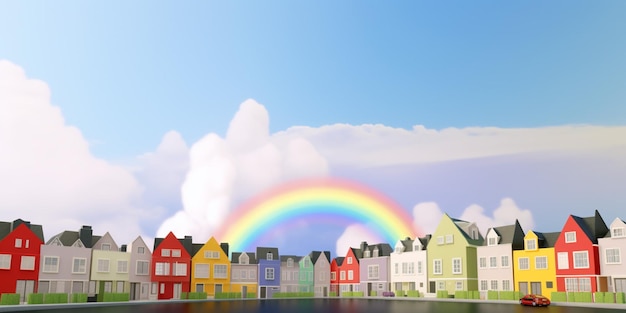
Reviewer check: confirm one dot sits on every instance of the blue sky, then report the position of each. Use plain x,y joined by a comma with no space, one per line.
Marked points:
126,73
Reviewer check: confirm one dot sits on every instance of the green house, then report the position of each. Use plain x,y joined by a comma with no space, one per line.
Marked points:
306,282
452,262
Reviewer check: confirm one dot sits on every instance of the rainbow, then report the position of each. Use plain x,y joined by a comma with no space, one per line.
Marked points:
323,199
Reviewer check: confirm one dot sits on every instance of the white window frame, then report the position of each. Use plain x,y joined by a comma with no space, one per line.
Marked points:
449,238
180,269
459,285
440,240
138,268
437,267
562,260
484,285
166,252
220,271
5,261
122,266
27,263
49,268
493,262
615,258
526,262
493,284
176,253
349,260
269,273
482,262
531,244
492,241
570,237
162,269
18,242
101,270
350,275
586,259
77,266
372,271
543,260
457,266
505,261
617,232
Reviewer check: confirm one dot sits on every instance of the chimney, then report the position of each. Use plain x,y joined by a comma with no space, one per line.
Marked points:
188,244
123,248
363,246
224,246
85,235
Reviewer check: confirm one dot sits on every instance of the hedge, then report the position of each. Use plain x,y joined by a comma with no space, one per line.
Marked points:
35,298
79,298
49,298
442,294
373,293
332,294
227,295
352,294
413,293
251,295
558,296
460,294
400,293
193,295
115,297
294,295
492,295
510,295
579,297
9,299
475,294
619,297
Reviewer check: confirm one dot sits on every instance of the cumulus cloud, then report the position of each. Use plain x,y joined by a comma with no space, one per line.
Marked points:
48,172
426,216
379,145
353,236
225,171
505,214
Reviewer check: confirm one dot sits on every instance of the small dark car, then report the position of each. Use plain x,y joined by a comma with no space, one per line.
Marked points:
534,300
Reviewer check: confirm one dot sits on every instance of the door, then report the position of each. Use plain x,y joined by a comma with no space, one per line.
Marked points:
78,287
218,288
369,289
535,287
523,287
603,285
199,287
145,291
134,291
24,288
263,292
432,288
178,289
244,291
325,292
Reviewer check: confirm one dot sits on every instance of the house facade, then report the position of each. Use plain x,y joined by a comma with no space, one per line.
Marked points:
170,265
349,271
20,250
321,272
374,269
408,265
66,263
335,265
611,263
109,267
210,270
141,286
578,255
244,272
534,267
452,256
306,277
269,271
495,258
290,273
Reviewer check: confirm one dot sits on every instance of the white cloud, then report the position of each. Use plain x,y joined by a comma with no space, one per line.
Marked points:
353,236
505,214
49,176
224,171
379,145
426,217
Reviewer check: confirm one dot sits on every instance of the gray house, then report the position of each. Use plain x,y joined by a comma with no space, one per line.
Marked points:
289,273
321,269
243,273
141,287
66,263
374,268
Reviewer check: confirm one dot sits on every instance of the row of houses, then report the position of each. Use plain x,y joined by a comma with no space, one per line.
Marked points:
585,255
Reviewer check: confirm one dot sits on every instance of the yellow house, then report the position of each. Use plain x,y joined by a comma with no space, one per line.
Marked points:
210,268
535,267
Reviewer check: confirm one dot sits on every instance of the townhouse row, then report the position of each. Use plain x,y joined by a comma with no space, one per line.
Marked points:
585,255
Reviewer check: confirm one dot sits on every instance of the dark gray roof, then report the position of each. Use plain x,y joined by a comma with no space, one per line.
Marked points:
593,226
408,244
384,249
7,227
547,240
261,253
513,234
315,255
470,240
339,260
425,240
295,258
235,258
68,238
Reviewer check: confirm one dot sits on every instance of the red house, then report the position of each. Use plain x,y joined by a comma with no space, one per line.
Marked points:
349,274
577,254
334,274
20,243
171,266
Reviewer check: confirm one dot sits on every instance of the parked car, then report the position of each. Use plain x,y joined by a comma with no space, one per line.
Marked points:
534,300
389,294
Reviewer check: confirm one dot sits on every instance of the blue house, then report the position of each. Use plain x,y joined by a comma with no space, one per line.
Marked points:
269,271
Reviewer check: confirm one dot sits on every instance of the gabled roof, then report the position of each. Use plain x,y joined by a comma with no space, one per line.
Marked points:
407,243
261,253
513,234
235,257
547,240
358,253
425,240
593,226
295,258
186,242
7,227
384,249
315,255
461,225
339,260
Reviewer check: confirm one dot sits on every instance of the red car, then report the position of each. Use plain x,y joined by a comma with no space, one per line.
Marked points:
534,300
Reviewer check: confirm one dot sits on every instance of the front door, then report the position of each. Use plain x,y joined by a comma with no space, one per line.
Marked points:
620,285
134,287
535,287
218,288
24,288
244,291
325,293
523,287
178,289
263,292
369,289
432,287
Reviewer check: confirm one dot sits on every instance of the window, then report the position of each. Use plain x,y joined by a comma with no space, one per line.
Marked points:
18,242
493,261
270,256
212,255
578,284
161,269
456,266
176,253
483,285
523,263
405,268
504,261
417,247
290,262
549,284
220,271
244,274
79,265
50,264
27,245
342,275
162,289
581,259
492,241
419,267
243,259
120,287
122,266
439,240
617,232
180,269
349,260
531,244
482,262
396,268
437,267
103,265
372,272
570,236
449,239
562,260
441,285
269,273
141,250
398,249
252,274
28,263
366,254
143,268
494,285
350,275
202,270
106,247
376,251
506,285
333,276
612,256
165,252
307,263
541,262
459,285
